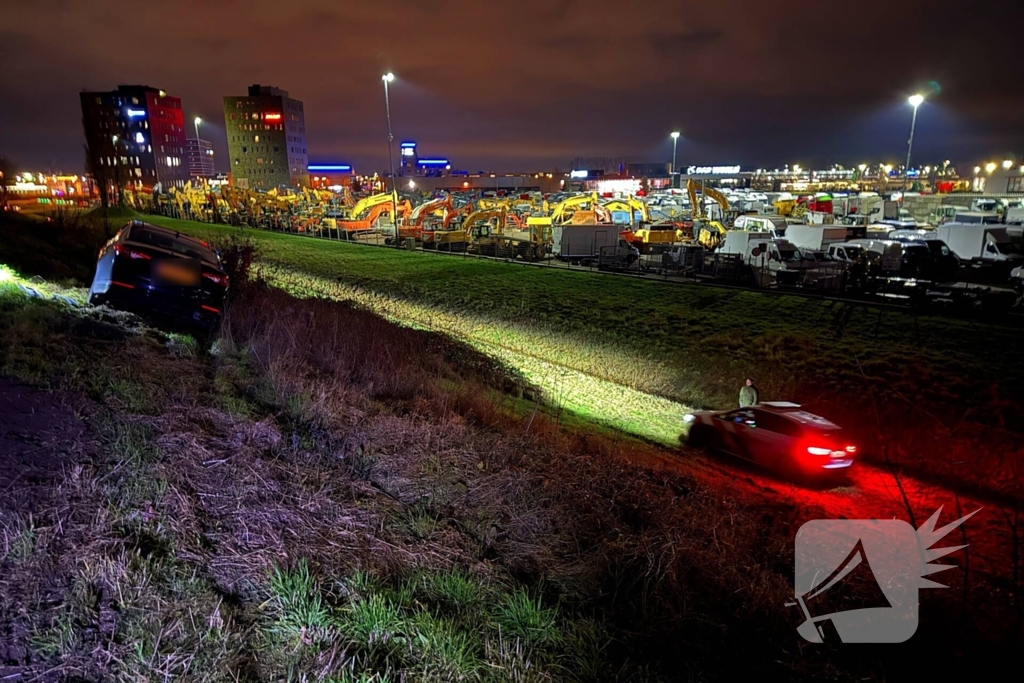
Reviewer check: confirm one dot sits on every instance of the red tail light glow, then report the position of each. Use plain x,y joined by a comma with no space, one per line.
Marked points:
818,450
851,449
217,279
122,250
210,308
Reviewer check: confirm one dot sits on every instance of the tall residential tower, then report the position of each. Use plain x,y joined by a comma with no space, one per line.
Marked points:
136,135
266,139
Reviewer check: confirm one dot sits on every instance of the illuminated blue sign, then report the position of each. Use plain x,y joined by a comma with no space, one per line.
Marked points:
133,113
433,162
330,167
408,144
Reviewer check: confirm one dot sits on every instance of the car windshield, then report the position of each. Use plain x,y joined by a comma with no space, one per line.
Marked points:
938,247
164,240
789,255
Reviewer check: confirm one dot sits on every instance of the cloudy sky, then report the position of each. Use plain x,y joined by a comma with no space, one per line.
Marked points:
529,85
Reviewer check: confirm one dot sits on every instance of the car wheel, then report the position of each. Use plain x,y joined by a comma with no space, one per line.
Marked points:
701,436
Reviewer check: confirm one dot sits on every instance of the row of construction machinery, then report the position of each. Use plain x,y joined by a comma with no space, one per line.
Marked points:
524,226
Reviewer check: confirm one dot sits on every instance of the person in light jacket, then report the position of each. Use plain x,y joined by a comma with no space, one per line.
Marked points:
749,395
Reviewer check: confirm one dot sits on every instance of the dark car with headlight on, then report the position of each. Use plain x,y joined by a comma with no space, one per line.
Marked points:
777,435
160,273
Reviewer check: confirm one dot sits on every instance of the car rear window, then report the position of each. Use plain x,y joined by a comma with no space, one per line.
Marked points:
163,240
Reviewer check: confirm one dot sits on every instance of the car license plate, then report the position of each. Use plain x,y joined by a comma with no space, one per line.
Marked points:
178,272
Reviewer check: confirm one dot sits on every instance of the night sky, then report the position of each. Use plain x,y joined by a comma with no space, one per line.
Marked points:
528,85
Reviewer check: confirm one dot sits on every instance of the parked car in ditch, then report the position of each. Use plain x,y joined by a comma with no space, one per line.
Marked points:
780,436
162,274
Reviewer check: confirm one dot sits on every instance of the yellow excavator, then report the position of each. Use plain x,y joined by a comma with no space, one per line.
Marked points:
367,203
445,234
496,232
630,205
708,233
563,211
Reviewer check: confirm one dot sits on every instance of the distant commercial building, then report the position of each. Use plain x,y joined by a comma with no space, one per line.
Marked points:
266,139
136,137
329,176
409,157
200,158
413,165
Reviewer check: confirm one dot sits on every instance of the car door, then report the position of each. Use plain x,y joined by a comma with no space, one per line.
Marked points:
771,443
733,430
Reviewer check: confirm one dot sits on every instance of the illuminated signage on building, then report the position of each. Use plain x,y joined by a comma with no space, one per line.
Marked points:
433,162
343,168
134,113
578,174
711,170
272,117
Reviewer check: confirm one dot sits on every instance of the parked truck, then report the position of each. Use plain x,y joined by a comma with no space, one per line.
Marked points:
980,243
815,237
620,257
577,243
766,254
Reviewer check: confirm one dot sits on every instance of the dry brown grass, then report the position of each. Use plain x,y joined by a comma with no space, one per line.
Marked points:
321,436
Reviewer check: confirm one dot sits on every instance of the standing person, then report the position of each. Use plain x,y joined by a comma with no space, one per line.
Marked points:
749,395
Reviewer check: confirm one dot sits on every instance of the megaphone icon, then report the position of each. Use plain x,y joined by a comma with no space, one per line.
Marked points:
851,586
850,604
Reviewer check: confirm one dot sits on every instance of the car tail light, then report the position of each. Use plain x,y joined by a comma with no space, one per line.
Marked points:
851,449
217,279
122,250
819,450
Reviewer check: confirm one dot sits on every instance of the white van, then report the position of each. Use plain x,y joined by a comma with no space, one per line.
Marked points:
774,224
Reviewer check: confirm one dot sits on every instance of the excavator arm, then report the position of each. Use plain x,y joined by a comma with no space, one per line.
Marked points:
558,213
486,215
420,213
452,215
367,203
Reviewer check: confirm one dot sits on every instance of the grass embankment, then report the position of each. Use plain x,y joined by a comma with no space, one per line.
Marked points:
330,497
938,396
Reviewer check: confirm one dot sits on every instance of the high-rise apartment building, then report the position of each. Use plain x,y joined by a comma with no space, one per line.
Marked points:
200,158
266,139
136,137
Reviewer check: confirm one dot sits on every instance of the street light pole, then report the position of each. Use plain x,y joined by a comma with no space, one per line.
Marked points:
675,141
915,101
387,78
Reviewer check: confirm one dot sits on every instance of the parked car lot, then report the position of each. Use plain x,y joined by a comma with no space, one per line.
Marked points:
162,274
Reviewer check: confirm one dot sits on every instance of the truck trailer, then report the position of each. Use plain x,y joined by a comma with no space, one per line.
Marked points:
583,242
815,237
980,243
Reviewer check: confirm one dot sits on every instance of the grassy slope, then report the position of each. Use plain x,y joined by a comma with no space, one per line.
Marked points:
935,384
682,325
283,510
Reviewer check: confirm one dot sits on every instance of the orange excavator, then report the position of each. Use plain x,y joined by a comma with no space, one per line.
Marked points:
373,208
414,226
447,233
